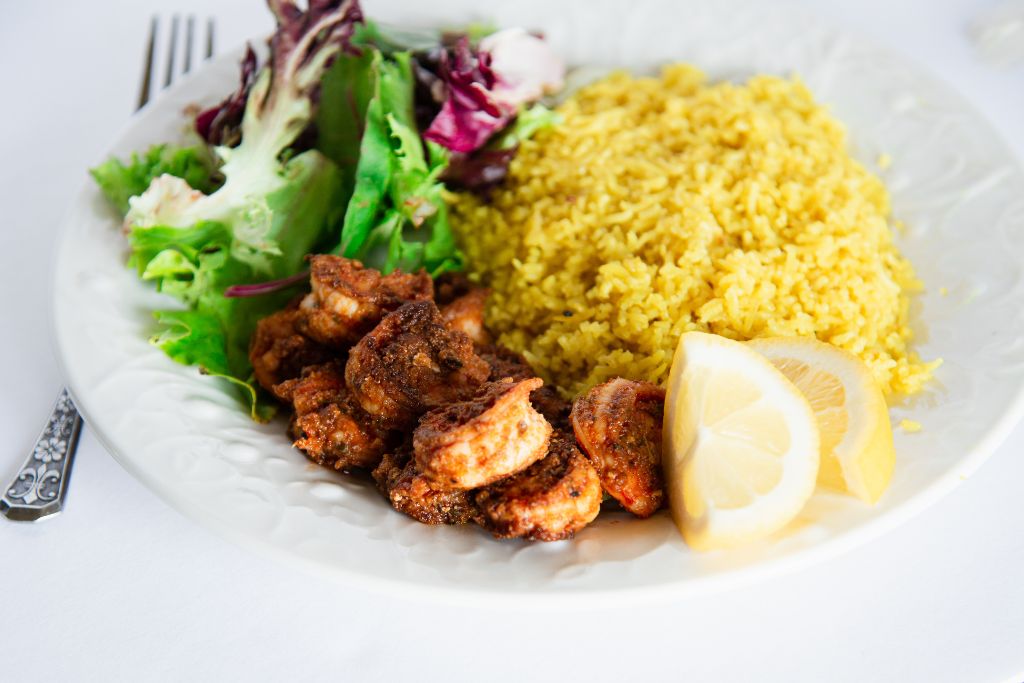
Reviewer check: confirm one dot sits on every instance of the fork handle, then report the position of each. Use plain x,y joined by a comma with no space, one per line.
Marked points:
38,489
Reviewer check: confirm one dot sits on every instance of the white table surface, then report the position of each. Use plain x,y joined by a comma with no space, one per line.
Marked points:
123,588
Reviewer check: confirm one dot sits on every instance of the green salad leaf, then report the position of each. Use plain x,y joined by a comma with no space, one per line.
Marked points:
345,92
195,266
197,338
528,122
372,177
396,217
120,181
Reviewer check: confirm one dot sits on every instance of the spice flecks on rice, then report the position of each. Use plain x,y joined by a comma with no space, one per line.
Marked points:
669,204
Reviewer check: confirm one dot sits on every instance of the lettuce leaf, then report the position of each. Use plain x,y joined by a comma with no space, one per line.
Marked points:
397,217
528,122
372,177
196,338
345,92
481,170
195,266
120,181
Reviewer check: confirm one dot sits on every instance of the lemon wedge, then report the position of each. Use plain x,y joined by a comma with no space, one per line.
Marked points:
741,443
857,452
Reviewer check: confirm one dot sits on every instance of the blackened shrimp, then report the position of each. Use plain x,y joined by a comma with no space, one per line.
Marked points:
466,314
409,492
549,501
505,362
348,300
411,362
471,443
278,350
450,286
328,425
618,424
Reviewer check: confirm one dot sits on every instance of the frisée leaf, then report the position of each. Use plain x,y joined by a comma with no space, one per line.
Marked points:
195,266
120,181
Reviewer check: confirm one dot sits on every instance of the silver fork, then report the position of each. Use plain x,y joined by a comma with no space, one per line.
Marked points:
37,491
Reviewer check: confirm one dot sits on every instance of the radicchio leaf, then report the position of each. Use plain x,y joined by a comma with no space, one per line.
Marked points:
479,171
524,65
483,88
260,288
430,89
470,114
221,124
299,36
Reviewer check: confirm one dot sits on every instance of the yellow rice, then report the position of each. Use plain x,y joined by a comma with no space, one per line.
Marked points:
669,204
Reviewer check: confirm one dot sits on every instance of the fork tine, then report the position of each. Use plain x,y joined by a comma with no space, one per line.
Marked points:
169,74
209,37
147,67
190,28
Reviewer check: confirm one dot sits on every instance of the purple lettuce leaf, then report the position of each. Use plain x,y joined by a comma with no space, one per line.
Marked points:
302,35
478,171
470,115
269,287
221,124
299,39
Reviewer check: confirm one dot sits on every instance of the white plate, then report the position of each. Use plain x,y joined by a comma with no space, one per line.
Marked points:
953,182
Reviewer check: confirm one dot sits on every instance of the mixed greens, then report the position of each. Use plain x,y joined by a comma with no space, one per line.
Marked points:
342,142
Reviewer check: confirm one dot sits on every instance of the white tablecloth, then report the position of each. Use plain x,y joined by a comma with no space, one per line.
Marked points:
123,588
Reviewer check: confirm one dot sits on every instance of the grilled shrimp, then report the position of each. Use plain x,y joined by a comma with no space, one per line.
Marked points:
411,362
618,424
505,362
477,441
328,425
278,351
348,300
548,501
466,314
450,286
410,492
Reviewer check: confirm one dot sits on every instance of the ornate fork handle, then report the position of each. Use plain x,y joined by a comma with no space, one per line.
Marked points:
38,489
